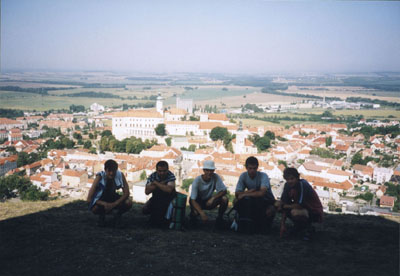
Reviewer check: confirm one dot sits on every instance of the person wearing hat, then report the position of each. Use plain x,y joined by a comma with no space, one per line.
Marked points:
202,196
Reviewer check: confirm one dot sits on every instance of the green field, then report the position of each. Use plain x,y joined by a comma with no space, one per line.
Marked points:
205,93
30,101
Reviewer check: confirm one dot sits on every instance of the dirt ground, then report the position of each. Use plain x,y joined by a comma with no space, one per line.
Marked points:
66,241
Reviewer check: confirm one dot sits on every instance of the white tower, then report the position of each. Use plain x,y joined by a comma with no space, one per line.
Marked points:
240,140
159,104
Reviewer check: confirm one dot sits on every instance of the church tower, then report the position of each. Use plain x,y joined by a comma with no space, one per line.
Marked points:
159,104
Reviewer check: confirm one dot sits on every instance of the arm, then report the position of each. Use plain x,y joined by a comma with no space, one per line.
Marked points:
197,207
150,188
292,206
125,195
251,193
215,197
93,189
169,188
220,189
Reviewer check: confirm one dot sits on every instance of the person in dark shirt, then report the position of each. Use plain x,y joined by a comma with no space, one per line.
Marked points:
102,196
161,184
300,203
254,197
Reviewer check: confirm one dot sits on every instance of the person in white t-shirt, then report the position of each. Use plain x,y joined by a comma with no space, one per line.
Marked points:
208,192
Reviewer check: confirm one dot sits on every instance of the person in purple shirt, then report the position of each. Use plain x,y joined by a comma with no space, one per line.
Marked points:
300,203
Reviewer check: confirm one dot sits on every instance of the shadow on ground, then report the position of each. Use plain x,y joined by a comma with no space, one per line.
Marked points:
66,241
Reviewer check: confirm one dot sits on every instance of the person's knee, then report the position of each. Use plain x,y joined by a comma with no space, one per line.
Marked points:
97,210
224,200
299,215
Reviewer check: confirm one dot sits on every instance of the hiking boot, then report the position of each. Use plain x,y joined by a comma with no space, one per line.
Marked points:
102,220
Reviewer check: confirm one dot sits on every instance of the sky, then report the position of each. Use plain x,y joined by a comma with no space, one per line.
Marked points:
220,36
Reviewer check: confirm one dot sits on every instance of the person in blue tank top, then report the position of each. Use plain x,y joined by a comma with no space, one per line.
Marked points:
102,196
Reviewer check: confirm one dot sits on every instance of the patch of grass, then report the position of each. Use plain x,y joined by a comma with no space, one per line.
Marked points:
16,208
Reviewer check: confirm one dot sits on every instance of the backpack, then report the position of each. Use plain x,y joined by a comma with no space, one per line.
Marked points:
178,211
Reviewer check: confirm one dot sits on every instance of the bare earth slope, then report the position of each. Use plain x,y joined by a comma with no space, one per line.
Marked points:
66,241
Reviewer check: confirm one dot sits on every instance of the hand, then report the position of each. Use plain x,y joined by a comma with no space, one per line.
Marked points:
203,217
278,205
210,202
241,196
108,207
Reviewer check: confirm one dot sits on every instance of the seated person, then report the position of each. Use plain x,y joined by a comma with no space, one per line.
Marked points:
102,196
300,203
161,184
253,191
202,198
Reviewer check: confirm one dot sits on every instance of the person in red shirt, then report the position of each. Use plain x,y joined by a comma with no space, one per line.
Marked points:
300,203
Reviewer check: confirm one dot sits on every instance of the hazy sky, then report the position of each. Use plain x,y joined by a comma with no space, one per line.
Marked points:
252,36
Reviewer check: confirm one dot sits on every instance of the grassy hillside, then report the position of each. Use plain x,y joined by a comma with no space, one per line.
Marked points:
65,240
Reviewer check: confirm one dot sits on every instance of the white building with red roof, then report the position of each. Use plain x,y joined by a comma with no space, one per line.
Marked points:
74,179
8,124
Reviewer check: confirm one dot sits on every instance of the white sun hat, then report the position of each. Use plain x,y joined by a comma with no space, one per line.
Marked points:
208,165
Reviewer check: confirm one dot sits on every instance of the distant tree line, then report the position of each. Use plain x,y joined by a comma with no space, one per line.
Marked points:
11,113
274,92
103,85
40,90
92,94
77,108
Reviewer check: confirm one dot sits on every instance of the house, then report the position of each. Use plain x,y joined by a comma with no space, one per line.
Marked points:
137,192
380,191
382,175
8,124
310,168
74,179
338,175
14,134
230,179
387,202
175,114
243,145
362,172
8,164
